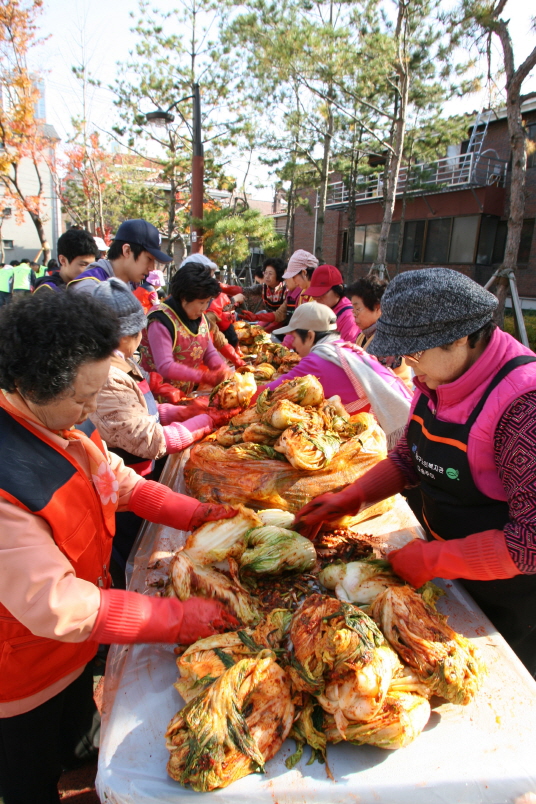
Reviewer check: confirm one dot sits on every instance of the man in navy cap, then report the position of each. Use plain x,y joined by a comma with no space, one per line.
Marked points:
131,257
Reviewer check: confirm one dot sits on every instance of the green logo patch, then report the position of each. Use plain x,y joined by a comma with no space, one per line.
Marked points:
453,474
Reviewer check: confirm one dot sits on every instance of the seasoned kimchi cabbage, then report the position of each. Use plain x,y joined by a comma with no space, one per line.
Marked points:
233,727
216,540
272,550
235,392
259,433
301,390
447,662
359,582
207,659
284,413
400,720
189,579
307,447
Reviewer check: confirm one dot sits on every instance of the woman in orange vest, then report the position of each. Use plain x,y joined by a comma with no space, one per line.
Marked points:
60,489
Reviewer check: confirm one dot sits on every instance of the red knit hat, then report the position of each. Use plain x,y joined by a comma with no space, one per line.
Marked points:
324,278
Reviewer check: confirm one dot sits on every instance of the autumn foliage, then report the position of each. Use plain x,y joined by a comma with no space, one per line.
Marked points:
22,135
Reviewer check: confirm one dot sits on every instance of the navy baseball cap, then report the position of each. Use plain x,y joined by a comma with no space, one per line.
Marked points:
143,234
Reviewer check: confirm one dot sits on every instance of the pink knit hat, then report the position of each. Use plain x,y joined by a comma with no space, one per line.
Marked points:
300,261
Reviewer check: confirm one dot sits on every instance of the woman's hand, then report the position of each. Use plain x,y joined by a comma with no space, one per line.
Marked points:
213,378
222,417
247,315
203,618
328,507
210,512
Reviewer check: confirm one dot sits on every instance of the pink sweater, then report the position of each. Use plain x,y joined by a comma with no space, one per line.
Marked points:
162,351
346,325
333,379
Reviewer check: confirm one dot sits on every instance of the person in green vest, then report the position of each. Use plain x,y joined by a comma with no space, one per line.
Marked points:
23,279
39,270
6,284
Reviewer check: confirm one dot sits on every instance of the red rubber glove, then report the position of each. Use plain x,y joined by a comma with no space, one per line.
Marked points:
202,618
164,390
210,512
157,503
222,417
216,376
256,395
479,557
382,481
230,354
125,618
266,318
247,315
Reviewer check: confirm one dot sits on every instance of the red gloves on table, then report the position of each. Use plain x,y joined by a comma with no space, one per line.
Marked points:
479,557
157,503
382,481
125,618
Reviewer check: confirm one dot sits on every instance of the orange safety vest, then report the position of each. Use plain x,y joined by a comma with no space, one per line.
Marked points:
40,477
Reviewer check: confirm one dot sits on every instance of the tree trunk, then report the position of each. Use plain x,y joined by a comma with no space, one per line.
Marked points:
352,206
289,228
41,234
323,194
514,81
394,169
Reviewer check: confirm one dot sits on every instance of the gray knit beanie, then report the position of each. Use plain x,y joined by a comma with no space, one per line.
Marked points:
118,296
429,307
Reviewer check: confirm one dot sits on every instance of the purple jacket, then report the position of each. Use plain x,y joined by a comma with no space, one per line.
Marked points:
98,271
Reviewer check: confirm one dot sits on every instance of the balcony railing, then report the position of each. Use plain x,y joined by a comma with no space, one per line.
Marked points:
449,173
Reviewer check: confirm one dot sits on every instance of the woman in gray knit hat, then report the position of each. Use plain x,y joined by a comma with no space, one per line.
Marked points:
469,446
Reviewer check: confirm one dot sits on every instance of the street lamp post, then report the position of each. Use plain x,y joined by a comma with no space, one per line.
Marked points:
162,117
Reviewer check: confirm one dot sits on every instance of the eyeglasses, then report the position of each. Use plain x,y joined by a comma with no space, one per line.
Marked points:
416,356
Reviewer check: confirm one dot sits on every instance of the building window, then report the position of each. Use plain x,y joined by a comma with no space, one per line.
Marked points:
366,242
359,243
372,239
531,145
463,239
486,239
8,244
525,242
413,241
437,240
500,242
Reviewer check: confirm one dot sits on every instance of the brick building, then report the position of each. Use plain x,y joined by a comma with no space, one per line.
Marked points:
456,210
